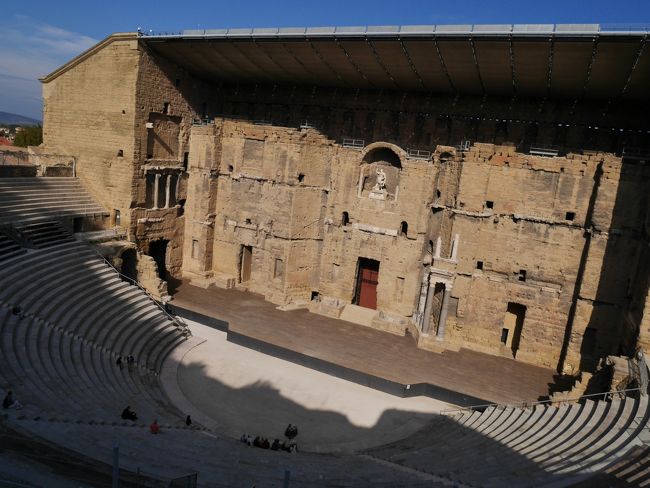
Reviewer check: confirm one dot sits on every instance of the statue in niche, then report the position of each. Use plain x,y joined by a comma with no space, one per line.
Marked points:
380,184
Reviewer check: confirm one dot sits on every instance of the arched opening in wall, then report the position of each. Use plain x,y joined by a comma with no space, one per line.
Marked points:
379,174
129,266
513,324
158,251
404,229
345,219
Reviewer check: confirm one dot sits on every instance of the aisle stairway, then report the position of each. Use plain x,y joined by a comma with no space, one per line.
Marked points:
77,316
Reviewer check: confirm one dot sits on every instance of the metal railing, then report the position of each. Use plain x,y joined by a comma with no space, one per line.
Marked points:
464,145
545,150
525,404
418,153
354,143
178,321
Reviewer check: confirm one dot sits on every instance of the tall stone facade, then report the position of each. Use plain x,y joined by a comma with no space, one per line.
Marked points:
454,219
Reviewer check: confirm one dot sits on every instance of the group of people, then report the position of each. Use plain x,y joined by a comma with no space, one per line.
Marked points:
130,361
288,445
154,428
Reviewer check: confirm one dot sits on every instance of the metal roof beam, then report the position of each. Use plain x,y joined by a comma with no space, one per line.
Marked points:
381,63
444,66
411,64
478,69
354,65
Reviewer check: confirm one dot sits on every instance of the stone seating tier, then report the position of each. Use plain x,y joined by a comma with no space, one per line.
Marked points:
24,200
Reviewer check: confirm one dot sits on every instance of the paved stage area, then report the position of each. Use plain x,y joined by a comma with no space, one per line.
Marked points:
368,350
238,390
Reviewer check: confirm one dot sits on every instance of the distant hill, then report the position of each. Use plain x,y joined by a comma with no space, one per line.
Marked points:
15,119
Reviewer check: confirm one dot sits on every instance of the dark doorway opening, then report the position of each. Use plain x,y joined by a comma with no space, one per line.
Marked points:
77,224
130,264
436,306
367,280
158,251
245,264
513,323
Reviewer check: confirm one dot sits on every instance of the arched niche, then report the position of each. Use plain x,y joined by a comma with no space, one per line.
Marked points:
380,171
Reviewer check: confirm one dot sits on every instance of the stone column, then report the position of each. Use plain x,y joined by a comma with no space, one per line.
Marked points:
422,298
426,324
440,335
168,190
155,191
454,248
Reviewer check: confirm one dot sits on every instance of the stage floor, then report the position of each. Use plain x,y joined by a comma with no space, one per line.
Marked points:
365,350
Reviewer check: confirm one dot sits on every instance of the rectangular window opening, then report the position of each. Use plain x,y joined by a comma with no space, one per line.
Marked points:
479,264
570,215
489,204
522,275
504,335
195,248
166,108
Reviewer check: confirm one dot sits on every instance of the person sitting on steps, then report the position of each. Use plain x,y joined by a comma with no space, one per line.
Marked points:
10,402
128,414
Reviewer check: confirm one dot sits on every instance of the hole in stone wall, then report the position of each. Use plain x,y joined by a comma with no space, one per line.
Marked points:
165,108
120,153
489,204
186,160
230,168
570,215
248,221
123,112
438,193
479,264
345,218
403,229
561,170
301,177
522,275
315,296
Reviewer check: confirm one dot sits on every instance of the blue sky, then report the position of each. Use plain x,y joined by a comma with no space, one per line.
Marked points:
36,36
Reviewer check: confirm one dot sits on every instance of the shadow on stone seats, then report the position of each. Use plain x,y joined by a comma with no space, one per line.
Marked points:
442,447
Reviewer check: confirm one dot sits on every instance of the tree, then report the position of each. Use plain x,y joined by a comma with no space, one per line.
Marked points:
29,136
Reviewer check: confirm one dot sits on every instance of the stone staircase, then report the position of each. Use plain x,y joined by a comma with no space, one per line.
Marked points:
43,234
24,200
9,248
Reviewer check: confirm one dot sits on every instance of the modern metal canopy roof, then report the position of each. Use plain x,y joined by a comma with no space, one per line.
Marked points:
571,61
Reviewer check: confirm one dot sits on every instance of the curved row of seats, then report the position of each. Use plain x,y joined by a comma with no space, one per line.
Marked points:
33,199
534,446
76,316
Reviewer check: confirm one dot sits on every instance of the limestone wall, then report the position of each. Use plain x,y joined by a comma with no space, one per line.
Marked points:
89,113
284,189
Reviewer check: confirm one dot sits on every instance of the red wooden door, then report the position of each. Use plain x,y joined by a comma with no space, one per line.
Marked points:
368,278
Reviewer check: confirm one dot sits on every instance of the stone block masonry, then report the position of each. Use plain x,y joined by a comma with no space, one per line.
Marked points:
436,213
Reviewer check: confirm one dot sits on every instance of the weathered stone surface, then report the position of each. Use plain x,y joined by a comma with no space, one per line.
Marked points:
482,246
